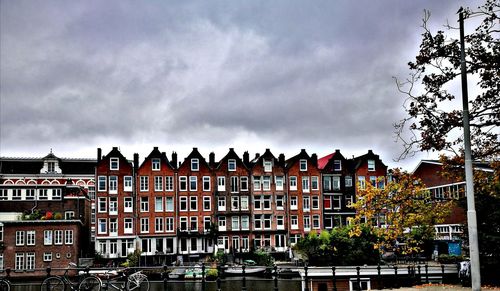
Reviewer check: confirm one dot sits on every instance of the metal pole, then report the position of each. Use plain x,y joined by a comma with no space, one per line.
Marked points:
471,210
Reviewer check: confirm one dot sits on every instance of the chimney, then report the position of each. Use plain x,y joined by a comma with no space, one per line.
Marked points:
314,159
115,148
303,151
370,152
246,158
257,155
337,151
281,159
99,155
136,162
155,148
174,159
211,159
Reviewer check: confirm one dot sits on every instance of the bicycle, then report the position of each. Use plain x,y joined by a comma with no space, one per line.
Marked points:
5,284
117,280
59,283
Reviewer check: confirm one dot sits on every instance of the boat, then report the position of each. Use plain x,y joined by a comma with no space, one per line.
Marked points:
177,273
237,270
193,273
288,273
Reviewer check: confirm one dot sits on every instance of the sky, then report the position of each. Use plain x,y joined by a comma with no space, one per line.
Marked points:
249,75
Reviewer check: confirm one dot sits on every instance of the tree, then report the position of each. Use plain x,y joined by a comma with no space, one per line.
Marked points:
401,211
434,120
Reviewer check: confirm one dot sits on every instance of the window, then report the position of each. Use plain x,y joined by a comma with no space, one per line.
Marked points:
158,183
305,184
169,183
102,208
127,226
362,182
16,194
234,184
47,237
43,194
30,194
280,222
114,163
371,165
294,221
193,223
280,202
314,183
279,183
127,201
206,183
257,203
101,183
266,183
183,223
144,204
183,203
267,221
336,183
113,205
256,183
127,183
235,223
327,202
19,238
257,221
373,181
337,201
4,195
306,203
315,202
337,165
58,237
267,202
30,238
113,184
316,222
207,222
68,237
193,203
231,165
348,181
169,224
145,224
221,183
56,194
193,183
293,203
47,257
293,183
155,164
307,222
245,222
221,203
195,165
244,202
183,183
169,203
158,224
349,200
102,227
222,223
206,203
303,165
158,204
235,203
91,192
19,261
144,183
381,182
244,183
268,166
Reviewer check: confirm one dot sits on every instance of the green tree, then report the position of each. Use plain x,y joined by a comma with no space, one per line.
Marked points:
434,120
403,204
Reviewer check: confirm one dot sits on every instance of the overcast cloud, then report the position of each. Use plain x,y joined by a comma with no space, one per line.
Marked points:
285,75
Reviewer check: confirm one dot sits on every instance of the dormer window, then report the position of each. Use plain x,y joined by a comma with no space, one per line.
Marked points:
303,165
114,164
268,166
155,164
231,165
51,167
195,165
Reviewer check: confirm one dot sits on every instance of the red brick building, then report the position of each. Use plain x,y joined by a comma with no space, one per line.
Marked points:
304,195
269,196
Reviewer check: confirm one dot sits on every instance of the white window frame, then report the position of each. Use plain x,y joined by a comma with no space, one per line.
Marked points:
113,185
183,200
183,183
293,182
371,165
193,183
127,184
144,224
303,165
144,183
128,204
128,225
207,201
114,164
231,165
155,164
158,181
169,183
195,165
102,183
206,183
158,204
294,203
221,183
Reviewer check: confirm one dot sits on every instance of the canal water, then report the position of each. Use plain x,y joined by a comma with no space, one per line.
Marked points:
228,284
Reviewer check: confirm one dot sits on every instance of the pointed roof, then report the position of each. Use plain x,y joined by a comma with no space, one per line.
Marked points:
155,153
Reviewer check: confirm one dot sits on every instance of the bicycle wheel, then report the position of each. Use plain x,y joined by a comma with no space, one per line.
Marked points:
4,285
139,284
53,284
90,284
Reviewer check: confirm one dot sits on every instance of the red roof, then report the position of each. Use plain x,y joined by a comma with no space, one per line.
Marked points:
324,160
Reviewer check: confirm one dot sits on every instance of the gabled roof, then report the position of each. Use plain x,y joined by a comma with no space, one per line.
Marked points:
231,155
155,153
195,154
322,162
267,155
357,161
291,161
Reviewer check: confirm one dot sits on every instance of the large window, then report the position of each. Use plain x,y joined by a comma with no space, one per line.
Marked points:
279,183
305,184
30,238
256,183
113,205
182,183
58,237
234,184
221,183
158,224
144,224
144,183
144,204
207,203
193,203
169,204
293,203
101,183
158,204
293,183
193,183
206,183
169,183
47,237
306,203
127,225
361,182
127,183
102,226
183,203
244,183
221,203
68,237
128,206
266,183
113,184
158,183
169,224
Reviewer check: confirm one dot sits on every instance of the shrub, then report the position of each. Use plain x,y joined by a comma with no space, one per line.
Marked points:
449,259
211,274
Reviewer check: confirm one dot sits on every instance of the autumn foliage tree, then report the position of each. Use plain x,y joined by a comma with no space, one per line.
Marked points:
434,121
398,211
